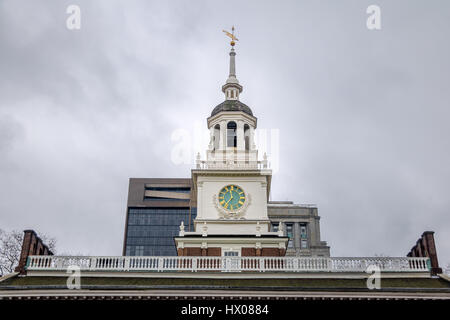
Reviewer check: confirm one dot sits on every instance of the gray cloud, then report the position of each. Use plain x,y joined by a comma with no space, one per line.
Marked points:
362,114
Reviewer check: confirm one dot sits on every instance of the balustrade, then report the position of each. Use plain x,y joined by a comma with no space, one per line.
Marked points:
228,264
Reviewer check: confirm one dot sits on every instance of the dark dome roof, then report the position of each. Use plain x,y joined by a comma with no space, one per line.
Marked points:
232,105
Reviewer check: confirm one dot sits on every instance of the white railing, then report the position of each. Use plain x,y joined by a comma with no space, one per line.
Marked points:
227,264
234,165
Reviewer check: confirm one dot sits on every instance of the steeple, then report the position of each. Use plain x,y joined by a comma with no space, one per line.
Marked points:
232,123
232,88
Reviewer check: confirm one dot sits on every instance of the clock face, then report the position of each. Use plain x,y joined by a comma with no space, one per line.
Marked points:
231,198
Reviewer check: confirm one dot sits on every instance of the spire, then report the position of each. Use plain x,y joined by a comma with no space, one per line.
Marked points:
232,64
232,88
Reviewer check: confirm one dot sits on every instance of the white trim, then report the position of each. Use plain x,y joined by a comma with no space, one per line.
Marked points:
228,275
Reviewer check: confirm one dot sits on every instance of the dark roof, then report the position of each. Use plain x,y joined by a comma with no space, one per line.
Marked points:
173,288
232,105
117,282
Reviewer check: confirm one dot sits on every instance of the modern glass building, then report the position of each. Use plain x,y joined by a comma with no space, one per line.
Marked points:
155,210
151,230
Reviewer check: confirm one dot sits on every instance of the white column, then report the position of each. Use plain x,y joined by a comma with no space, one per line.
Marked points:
223,135
240,135
199,200
252,138
211,138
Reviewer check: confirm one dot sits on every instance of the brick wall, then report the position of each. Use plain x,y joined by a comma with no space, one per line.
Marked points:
32,245
265,252
426,247
197,252
248,252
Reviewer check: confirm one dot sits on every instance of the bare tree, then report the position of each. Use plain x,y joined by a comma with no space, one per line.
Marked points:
11,247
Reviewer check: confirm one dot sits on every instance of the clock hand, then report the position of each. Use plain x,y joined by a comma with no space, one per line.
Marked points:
228,201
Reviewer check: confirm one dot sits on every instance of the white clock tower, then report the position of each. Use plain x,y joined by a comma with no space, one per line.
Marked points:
231,186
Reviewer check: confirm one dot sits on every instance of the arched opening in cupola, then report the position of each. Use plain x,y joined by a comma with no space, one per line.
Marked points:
231,134
247,137
216,137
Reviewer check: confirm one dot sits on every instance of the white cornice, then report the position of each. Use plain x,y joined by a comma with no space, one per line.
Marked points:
231,115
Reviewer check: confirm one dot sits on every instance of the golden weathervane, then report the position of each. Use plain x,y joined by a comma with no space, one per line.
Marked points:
231,35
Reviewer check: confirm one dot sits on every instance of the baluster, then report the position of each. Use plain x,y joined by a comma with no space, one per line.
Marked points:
194,264
160,264
127,264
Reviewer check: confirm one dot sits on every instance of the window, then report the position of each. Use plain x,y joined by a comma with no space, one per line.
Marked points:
290,234
229,263
304,244
181,190
231,134
303,236
231,253
170,189
274,227
216,137
303,233
162,199
247,136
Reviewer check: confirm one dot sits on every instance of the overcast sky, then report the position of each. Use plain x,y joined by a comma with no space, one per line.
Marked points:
363,116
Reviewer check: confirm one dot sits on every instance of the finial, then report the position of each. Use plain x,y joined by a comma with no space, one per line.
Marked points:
181,234
205,230
280,229
258,229
232,88
232,36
